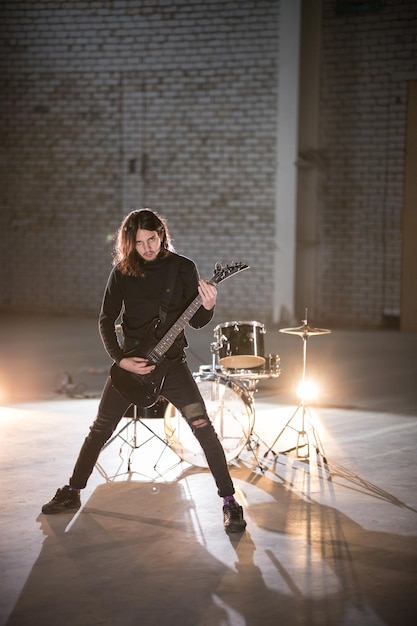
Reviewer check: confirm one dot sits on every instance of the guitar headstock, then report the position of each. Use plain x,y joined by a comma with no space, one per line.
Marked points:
221,272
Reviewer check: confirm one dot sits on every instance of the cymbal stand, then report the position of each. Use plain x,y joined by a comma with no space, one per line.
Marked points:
134,442
306,427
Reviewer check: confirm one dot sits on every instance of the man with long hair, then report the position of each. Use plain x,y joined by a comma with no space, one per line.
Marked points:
136,290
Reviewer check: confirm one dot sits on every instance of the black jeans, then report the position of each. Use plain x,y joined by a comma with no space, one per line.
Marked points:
181,390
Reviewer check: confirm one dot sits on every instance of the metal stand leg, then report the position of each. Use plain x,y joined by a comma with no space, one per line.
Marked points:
303,440
305,331
132,442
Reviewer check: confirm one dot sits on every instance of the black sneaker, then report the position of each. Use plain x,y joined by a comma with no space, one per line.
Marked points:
233,518
64,500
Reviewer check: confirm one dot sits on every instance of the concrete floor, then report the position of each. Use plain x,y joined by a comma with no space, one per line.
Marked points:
326,544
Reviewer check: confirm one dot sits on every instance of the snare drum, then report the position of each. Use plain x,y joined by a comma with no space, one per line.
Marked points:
270,369
231,412
241,344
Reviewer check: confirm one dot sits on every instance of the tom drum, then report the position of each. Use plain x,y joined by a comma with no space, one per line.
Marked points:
240,344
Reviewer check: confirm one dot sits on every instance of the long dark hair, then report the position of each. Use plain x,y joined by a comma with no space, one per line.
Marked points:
126,258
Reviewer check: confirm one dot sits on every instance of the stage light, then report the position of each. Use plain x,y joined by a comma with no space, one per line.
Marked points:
307,390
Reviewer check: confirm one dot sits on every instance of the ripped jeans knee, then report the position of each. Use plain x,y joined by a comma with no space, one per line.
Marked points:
201,426
196,417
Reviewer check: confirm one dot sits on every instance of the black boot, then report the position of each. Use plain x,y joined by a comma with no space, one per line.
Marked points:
65,499
233,518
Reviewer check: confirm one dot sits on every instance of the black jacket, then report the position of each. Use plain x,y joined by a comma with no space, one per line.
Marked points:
135,301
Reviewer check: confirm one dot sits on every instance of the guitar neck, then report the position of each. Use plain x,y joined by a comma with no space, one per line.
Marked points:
221,273
168,339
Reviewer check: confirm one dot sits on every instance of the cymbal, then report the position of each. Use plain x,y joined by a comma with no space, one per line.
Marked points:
305,331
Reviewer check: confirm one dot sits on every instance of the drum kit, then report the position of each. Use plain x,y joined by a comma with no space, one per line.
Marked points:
228,386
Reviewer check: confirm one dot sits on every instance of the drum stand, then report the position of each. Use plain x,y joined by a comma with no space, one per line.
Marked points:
134,421
133,441
306,428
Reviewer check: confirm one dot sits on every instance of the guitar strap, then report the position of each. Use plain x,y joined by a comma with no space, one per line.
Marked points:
169,288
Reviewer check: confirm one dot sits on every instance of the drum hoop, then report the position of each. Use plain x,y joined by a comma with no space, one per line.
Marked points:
239,323
224,379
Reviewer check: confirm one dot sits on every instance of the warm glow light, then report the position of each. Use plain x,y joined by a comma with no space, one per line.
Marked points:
307,390
8,414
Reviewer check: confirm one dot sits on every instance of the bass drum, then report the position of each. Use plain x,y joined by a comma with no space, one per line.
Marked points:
230,409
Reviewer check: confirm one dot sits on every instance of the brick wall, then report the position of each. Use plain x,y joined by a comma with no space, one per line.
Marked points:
108,106
111,105
367,59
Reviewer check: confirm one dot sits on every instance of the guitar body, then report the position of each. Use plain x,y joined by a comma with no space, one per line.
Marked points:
144,391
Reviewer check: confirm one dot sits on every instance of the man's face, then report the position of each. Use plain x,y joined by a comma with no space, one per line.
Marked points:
148,244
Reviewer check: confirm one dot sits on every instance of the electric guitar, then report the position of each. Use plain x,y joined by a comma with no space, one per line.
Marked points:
144,390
